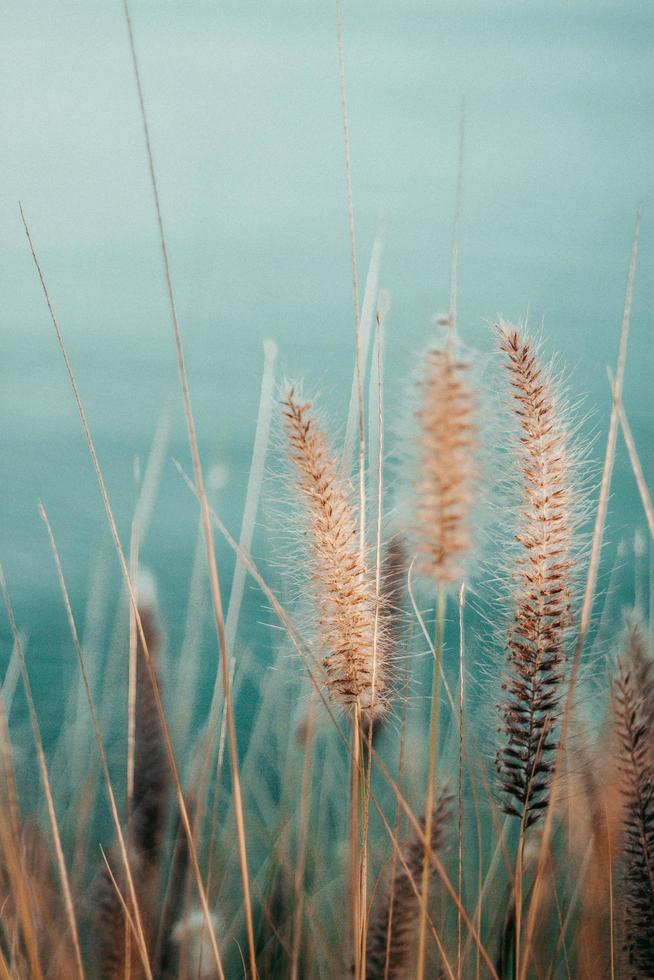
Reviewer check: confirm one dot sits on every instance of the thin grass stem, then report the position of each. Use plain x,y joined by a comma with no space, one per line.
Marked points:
432,765
138,925
45,779
132,598
211,560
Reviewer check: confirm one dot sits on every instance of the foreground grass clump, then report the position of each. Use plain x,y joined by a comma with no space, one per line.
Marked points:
348,805
361,858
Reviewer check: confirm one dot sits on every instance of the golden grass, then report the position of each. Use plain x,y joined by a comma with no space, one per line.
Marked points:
145,908
341,853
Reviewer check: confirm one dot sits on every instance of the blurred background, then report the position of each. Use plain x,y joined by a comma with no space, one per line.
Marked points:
244,113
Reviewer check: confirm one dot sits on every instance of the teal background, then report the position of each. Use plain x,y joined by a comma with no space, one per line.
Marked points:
245,119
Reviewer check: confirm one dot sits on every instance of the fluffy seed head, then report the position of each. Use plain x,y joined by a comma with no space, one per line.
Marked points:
447,471
542,575
351,636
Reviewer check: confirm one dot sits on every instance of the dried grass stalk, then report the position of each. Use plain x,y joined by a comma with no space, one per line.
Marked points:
543,575
447,470
116,947
343,590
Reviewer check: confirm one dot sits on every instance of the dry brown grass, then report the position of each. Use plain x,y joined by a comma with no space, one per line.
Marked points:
185,892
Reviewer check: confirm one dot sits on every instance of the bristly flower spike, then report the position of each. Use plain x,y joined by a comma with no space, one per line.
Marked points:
543,575
447,470
354,653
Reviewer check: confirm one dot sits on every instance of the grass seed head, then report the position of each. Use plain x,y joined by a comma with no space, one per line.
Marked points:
350,631
447,473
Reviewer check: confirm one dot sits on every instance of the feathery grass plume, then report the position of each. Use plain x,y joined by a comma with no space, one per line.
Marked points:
543,583
392,932
343,590
632,708
447,470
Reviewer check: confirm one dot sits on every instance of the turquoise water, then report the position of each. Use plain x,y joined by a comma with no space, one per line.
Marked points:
245,119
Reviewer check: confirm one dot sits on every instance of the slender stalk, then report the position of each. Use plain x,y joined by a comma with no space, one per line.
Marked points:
396,832
591,583
460,780
355,883
304,655
45,779
305,813
467,747
609,868
376,627
456,230
637,468
207,740
137,921
517,900
252,493
213,569
368,308
357,866
131,695
355,273
132,597
431,778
